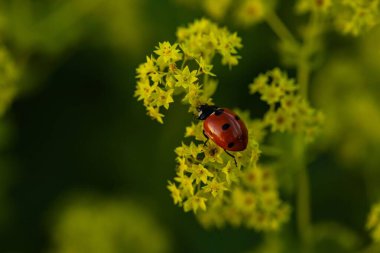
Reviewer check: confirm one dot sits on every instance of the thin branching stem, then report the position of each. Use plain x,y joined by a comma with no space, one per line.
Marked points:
299,147
279,28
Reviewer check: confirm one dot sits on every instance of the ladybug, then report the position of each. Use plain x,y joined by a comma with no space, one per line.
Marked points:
223,127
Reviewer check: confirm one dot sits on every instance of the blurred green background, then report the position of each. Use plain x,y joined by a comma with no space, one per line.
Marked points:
81,163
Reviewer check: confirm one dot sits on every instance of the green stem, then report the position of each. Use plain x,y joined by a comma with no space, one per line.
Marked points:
303,191
303,194
205,79
303,73
279,28
306,51
183,62
299,146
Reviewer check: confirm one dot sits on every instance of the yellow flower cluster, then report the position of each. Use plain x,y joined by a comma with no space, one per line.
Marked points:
254,203
373,222
303,6
203,39
171,70
8,78
243,12
357,16
349,16
208,183
288,110
250,12
216,9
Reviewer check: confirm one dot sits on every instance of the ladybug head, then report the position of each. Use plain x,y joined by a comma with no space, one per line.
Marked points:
205,111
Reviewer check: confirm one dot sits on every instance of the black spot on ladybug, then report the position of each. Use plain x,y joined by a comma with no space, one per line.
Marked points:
219,112
231,144
226,126
237,117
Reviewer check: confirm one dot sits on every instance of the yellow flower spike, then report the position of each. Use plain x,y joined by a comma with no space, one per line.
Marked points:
258,84
200,174
154,112
191,130
143,90
205,67
269,200
215,188
288,111
146,68
213,153
212,217
196,131
216,9
170,81
323,6
289,103
252,178
182,150
281,121
186,184
175,193
243,201
352,17
185,78
231,197
268,220
165,98
227,48
233,216
156,77
194,203
204,173
188,151
255,153
230,60
160,79
168,53
272,94
195,150
264,222
182,166
356,16
204,38
304,6
192,97
231,173
287,85
250,12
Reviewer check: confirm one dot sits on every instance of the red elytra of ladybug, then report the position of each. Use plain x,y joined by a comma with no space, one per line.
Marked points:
224,128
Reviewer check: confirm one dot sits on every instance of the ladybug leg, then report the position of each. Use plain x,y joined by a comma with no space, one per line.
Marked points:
207,139
231,156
